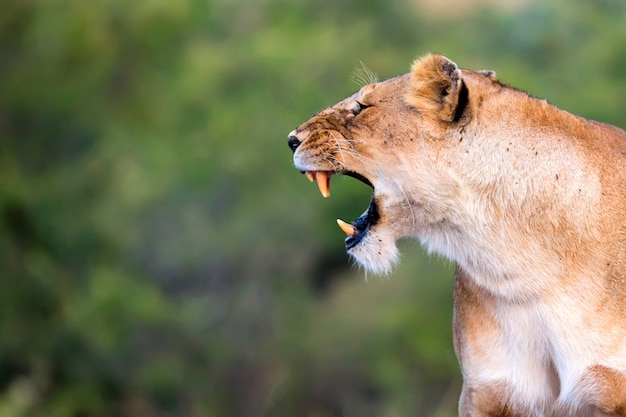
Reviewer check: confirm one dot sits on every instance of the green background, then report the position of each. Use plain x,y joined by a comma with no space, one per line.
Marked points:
159,255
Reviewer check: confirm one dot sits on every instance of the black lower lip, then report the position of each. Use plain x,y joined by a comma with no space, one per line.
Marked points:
352,241
363,224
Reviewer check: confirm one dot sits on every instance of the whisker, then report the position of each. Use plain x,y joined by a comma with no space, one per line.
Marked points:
408,202
363,76
339,148
358,156
345,148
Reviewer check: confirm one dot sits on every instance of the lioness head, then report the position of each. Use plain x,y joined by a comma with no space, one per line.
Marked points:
388,135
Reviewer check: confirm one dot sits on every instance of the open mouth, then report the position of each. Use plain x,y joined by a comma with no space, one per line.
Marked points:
356,230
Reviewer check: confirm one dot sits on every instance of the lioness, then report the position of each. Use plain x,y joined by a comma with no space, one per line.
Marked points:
527,199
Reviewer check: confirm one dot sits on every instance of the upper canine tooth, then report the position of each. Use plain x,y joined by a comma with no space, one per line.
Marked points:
323,182
347,228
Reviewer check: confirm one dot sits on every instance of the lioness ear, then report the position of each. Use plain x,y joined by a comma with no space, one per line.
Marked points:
488,73
436,88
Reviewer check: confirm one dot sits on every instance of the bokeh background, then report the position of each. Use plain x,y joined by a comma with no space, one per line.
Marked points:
159,255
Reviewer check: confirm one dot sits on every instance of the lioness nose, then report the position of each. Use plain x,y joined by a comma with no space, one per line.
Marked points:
293,142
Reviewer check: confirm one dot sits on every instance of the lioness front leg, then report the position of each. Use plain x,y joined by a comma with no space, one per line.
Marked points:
485,402
604,391
504,374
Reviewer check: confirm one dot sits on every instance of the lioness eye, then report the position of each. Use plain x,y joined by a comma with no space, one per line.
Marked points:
357,107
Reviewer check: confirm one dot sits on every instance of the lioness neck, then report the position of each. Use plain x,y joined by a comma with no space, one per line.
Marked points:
531,207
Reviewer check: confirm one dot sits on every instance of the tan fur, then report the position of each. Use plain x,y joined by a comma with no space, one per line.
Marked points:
529,200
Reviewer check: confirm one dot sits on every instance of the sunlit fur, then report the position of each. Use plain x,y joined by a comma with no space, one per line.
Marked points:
527,199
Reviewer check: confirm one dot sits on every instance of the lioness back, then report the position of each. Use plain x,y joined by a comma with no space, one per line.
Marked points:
527,199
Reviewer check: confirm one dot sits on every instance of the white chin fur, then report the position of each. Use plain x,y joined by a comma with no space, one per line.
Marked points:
375,253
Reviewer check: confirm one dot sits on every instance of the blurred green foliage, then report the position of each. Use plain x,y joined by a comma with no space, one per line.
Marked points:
159,255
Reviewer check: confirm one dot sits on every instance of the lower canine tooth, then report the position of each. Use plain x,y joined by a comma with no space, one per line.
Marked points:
347,228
